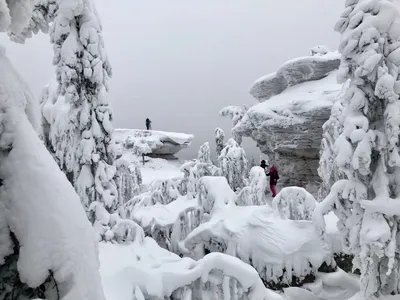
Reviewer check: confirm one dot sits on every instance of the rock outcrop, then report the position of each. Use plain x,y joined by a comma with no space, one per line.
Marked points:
287,125
162,144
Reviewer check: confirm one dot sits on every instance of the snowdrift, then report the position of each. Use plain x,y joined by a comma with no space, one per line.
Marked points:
159,273
277,248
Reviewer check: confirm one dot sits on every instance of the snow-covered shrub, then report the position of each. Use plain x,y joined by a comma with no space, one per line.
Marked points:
294,203
233,163
235,113
76,112
254,194
165,192
367,150
219,140
48,247
138,145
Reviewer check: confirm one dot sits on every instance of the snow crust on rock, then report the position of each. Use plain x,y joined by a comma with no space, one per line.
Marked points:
294,72
160,142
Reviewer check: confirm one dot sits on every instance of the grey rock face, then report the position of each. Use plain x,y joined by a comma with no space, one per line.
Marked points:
288,126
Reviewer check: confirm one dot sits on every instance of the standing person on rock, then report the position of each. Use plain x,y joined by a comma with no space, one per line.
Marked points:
273,179
265,167
148,124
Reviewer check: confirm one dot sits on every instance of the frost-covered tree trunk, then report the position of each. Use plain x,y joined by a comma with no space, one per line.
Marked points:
219,140
233,163
367,150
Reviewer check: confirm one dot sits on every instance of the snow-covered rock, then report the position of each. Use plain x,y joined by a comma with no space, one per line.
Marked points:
162,144
288,126
296,71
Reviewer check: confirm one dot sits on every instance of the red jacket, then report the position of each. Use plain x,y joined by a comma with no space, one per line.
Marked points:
273,176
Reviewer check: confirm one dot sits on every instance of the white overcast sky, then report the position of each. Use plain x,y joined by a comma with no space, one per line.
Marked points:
179,62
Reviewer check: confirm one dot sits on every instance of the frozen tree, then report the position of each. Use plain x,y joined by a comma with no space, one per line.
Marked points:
254,194
76,110
233,163
219,140
204,154
235,113
128,179
367,150
44,232
328,170
195,169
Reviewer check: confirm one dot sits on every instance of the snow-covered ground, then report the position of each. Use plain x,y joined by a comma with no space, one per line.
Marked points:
159,169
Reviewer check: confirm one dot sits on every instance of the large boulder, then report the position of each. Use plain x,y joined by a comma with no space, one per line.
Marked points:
162,144
287,126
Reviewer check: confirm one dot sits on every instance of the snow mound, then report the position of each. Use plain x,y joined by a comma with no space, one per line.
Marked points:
296,71
159,273
161,143
257,235
40,205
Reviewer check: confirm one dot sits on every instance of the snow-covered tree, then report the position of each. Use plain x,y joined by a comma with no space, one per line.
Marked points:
76,110
235,113
254,194
195,169
219,140
367,150
204,154
128,179
233,163
43,228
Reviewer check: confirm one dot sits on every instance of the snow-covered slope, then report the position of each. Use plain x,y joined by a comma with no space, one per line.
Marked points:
161,143
288,127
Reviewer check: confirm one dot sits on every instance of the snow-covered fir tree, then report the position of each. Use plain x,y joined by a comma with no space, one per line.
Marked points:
367,150
219,140
77,115
37,250
233,163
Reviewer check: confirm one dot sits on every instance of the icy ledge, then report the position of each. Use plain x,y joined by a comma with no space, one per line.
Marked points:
162,144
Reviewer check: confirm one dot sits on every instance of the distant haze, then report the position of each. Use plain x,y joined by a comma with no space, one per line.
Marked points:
179,62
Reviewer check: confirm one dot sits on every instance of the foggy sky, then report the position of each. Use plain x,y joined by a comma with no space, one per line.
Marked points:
178,62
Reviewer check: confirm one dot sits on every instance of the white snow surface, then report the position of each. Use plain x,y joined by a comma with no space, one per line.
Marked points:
158,272
64,240
257,234
160,169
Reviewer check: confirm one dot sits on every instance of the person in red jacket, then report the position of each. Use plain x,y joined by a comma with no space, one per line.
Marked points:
273,179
